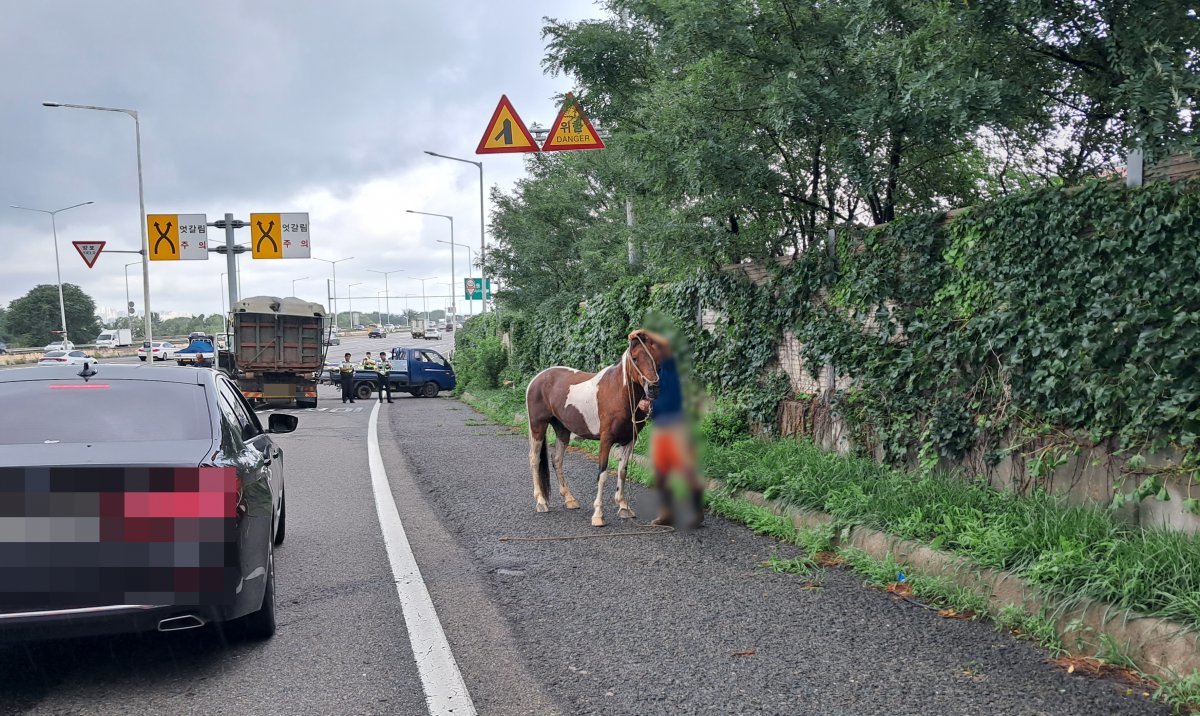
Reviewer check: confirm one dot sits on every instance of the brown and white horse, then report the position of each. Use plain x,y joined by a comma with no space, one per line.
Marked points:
609,406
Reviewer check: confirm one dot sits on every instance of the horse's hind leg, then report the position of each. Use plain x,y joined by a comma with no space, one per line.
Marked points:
562,439
624,511
538,466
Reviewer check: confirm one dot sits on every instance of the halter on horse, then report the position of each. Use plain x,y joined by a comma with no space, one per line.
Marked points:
605,406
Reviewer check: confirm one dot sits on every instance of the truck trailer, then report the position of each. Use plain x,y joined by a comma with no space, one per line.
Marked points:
278,349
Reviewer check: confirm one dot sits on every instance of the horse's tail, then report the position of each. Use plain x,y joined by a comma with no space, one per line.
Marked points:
544,469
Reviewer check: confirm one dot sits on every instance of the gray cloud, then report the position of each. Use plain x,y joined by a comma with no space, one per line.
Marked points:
258,106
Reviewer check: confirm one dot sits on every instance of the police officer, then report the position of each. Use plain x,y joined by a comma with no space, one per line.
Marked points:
368,363
346,374
382,368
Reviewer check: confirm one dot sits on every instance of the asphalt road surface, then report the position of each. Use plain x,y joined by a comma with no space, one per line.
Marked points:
679,623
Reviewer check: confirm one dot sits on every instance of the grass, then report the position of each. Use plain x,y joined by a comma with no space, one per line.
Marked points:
1067,551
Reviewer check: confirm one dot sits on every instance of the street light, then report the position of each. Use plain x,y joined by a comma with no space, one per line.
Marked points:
128,307
334,263
387,294
444,216
137,128
482,248
470,262
350,298
424,305
62,306
305,278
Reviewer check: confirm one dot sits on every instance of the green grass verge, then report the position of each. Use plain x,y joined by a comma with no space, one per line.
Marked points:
1068,551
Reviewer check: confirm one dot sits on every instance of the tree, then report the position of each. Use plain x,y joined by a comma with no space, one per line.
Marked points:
31,319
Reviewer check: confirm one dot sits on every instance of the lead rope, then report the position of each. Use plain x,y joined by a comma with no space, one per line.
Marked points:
654,530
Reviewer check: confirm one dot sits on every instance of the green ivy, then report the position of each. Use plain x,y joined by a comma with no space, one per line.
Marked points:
1078,309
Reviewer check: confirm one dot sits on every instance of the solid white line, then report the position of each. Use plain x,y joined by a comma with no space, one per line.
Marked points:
445,692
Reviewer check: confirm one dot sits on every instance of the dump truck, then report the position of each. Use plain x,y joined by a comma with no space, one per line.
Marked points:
278,349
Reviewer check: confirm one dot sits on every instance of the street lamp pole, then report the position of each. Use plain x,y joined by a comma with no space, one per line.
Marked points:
62,306
224,314
137,128
424,305
482,247
334,264
350,298
387,295
451,218
305,278
129,313
470,262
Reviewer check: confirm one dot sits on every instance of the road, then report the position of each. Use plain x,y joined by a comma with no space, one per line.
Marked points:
681,623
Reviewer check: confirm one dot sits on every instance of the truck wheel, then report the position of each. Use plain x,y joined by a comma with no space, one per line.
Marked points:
429,390
364,390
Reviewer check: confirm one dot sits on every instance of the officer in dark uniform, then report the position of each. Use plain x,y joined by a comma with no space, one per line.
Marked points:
346,374
382,367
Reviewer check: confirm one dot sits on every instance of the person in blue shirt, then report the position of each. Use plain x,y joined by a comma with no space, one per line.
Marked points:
672,449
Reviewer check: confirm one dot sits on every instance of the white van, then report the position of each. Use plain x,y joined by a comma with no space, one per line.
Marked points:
115,338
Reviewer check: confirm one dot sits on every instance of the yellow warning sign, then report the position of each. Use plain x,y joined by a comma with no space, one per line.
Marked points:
162,232
265,232
572,129
506,132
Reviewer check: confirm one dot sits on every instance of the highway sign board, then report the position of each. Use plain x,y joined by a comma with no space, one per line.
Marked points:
506,133
89,250
280,236
572,129
177,237
473,289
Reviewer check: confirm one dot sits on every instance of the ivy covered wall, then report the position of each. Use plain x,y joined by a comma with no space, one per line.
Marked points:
1043,326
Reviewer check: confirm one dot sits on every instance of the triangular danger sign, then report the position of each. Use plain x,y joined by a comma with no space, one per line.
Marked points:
89,250
506,133
572,130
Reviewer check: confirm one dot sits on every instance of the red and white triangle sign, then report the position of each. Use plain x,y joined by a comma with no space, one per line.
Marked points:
89,250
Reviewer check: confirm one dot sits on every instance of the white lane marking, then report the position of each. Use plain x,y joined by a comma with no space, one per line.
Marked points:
445,692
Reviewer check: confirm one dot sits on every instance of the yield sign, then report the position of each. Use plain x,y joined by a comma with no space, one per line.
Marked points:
89,250
572,130
506,133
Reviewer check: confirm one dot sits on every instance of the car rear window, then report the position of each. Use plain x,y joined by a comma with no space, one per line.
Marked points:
100,411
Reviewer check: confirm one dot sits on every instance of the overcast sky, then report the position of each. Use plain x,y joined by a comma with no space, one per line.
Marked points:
272,106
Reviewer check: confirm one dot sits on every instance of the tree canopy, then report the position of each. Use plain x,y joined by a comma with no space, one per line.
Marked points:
743,128
31,319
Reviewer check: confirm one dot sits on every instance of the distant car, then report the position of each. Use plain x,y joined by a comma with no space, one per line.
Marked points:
377,333
65,358
60,346
161,350
359,327
129,529
433,333
333,340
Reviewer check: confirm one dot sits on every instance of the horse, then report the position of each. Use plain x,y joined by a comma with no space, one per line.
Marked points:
609,406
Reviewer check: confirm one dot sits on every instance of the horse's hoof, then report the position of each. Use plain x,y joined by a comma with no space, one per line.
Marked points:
572,504
626,514
541,507
598,521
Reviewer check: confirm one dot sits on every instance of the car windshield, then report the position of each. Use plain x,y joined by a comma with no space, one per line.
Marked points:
103,412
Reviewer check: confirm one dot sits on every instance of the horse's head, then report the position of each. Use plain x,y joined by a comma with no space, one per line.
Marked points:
646,352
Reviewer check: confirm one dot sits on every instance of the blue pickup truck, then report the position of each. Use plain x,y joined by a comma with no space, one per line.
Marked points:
418,371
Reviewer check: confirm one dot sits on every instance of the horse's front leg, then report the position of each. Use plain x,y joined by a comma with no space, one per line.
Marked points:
598,509
623,509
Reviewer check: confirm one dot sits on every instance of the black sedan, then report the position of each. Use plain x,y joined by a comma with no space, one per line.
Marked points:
136,498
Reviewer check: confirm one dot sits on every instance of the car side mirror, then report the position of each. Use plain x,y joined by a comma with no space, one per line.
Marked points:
282,423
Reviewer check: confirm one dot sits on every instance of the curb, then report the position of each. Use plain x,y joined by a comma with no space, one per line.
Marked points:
1158,647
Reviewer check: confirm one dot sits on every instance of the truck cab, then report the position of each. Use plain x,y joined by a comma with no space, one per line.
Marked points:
420,372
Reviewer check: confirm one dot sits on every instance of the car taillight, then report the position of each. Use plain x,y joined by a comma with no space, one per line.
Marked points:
199,492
